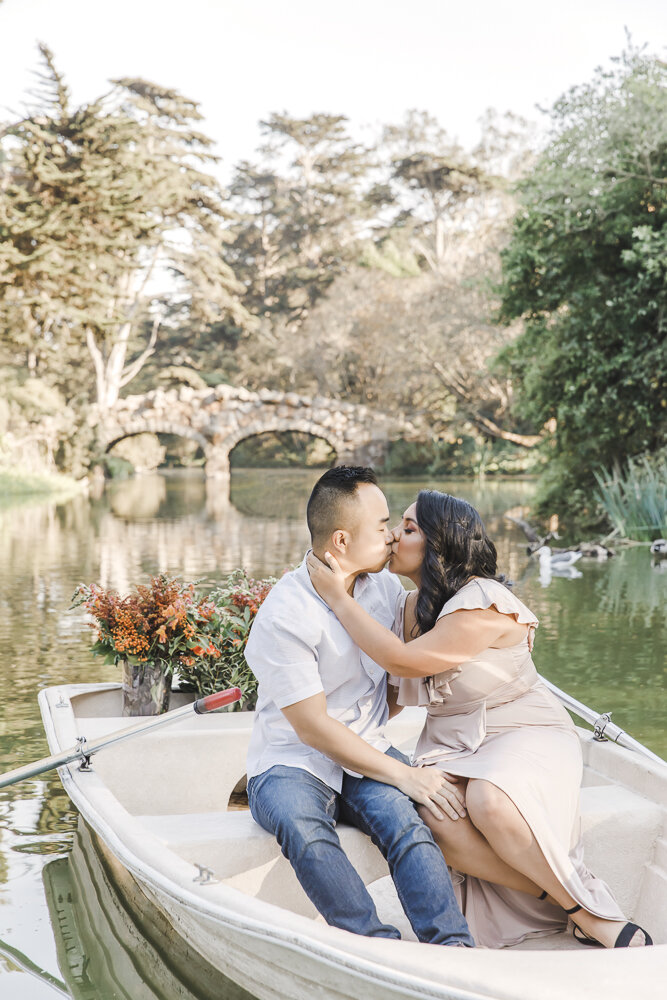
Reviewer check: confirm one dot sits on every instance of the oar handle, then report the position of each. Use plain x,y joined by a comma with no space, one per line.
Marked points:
211,702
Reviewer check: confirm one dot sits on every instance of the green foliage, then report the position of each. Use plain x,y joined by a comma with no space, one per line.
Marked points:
182,452
143,452
388,256
97,201
430,181
236,603
116,467
169,624
299,213
17,485
467,455
585,269
41,433
635,498
403,248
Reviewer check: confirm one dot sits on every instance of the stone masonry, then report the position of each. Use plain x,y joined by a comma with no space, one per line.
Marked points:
218,419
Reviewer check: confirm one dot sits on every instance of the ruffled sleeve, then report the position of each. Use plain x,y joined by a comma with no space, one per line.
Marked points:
481,594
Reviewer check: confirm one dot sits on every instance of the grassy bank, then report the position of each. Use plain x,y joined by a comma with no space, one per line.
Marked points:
17,486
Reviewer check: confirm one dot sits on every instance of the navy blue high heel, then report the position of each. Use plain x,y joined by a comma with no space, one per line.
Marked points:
625,936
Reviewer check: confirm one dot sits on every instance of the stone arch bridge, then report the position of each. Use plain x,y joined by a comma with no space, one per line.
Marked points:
219,418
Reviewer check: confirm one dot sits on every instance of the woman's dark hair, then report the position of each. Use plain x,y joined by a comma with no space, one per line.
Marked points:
457,548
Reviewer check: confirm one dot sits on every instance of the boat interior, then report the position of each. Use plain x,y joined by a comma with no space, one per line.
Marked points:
181,784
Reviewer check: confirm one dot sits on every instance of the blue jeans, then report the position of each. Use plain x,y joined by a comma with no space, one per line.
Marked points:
301,811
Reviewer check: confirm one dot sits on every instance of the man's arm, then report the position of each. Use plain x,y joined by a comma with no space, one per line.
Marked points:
425,785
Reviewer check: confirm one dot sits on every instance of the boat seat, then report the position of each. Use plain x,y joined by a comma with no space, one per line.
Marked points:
246,857
620,830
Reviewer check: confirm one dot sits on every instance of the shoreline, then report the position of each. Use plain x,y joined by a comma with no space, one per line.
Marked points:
19,486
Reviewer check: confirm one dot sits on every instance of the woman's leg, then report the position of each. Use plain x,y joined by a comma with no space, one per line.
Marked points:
467,851
496,817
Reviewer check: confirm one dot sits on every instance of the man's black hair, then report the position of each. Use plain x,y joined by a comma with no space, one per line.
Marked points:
331,491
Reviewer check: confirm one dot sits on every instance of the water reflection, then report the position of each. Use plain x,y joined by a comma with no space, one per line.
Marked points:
13,961
103,953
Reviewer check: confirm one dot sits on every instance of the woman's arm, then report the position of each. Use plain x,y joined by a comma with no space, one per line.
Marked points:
453,640
392,701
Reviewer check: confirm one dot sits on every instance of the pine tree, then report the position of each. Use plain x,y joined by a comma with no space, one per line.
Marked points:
95,200
302,211
430,178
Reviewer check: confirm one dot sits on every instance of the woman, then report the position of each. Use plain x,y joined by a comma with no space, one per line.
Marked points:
491,726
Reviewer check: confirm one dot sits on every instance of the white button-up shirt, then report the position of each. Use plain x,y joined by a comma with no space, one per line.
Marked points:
297,648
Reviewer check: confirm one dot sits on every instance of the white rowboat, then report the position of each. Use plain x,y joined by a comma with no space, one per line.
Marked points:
219,888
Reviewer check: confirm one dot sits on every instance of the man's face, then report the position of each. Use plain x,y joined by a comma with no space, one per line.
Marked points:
369,542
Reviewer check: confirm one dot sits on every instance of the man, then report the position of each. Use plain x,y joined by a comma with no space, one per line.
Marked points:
318,751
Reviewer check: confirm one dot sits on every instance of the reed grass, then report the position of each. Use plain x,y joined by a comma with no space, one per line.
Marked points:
635,498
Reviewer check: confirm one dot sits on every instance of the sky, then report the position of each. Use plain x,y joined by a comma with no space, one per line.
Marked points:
370,60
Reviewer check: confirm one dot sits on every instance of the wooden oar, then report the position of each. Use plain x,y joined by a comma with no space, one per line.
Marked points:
84,750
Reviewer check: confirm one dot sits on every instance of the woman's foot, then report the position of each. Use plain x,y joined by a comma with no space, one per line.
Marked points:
608,933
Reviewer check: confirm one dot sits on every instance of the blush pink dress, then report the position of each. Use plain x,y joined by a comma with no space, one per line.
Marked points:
493,718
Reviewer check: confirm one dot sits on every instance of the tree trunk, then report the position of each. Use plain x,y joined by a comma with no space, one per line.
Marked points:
485,424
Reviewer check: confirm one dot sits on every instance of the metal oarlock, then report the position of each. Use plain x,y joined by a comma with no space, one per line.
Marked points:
85,764
83,750
206,875
601,723
604,730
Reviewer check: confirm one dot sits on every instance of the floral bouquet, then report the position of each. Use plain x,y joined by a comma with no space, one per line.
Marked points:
166,627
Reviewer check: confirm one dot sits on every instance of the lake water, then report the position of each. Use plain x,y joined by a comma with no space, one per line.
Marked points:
602,638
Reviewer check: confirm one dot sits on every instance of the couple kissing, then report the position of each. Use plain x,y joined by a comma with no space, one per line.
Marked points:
338,647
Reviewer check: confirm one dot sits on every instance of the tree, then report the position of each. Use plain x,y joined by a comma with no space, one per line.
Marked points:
430,180
301,211
388,333
586,268
95,201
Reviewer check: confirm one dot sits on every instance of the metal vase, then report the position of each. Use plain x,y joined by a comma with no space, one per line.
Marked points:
146,688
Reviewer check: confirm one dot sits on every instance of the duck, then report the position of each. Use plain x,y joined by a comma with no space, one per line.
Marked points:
557,564
557,560
659,548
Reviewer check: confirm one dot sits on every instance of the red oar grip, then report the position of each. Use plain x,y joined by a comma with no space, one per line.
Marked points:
217,700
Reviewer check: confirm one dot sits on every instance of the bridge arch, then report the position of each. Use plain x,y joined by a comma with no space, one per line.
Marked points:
218,454
135,427
221,417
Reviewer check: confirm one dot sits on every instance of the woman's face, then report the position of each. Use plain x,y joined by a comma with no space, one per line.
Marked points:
407,550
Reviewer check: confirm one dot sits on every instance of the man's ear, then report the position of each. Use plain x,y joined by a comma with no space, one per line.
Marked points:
340,541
